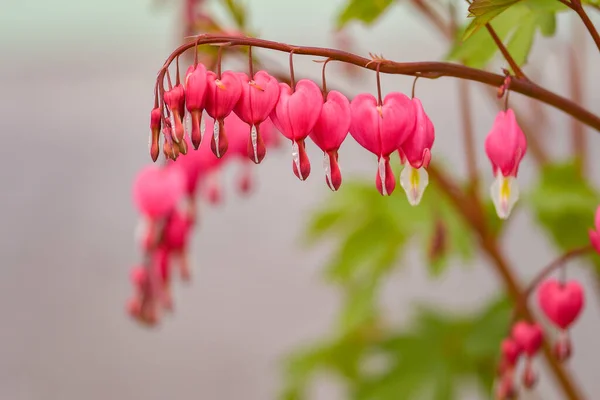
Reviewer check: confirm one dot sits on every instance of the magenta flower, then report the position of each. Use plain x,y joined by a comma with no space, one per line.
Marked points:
221,96
295,115
155,126
195,89
156,190
329,133
382,129
175,100
415,154
258,100
505,146
595,234
561,302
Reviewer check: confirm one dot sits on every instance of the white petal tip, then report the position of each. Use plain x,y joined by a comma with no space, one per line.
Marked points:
505,193
414,182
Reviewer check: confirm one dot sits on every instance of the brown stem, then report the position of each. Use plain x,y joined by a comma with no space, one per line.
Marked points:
425,69
577,6
577,129
513,65
465,206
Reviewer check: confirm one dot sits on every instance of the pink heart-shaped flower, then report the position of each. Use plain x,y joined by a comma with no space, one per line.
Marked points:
296,112
382,129
510,351
295,115
329,133
417,147
561,303
506,144
258,99
222,94
528,336
156,190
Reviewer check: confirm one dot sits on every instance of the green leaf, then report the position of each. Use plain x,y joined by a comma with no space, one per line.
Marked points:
366,11
478,49
521,40
564,204
547,24
517,24
484,12
360,306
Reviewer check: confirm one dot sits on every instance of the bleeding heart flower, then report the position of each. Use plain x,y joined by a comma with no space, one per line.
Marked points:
221,96
199,163
528,336
258,100
195,89
237,136
156,190
295,115
175,100
415,154
511,351
595,234
155,126
561,302
382,129
329,133
505,146
176,231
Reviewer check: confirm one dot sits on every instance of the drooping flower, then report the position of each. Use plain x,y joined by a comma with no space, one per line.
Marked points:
382,129
595,234
175,100
529,336
329,133
221,96
295,115
415,154
562,303
195,89
257,101
505,146
156,190
155,127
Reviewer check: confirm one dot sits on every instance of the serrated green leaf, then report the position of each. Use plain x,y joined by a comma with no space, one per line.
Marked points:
479,49
484,12
366,11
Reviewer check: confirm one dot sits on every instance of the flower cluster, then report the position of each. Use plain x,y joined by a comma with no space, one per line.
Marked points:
299,111
166,198
562,303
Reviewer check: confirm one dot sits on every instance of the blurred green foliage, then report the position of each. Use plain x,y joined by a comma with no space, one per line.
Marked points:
564,204
432,358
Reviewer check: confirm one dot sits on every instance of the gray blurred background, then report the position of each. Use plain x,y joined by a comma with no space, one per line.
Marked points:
77,80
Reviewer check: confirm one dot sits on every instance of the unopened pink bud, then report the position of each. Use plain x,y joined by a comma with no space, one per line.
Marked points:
155,127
